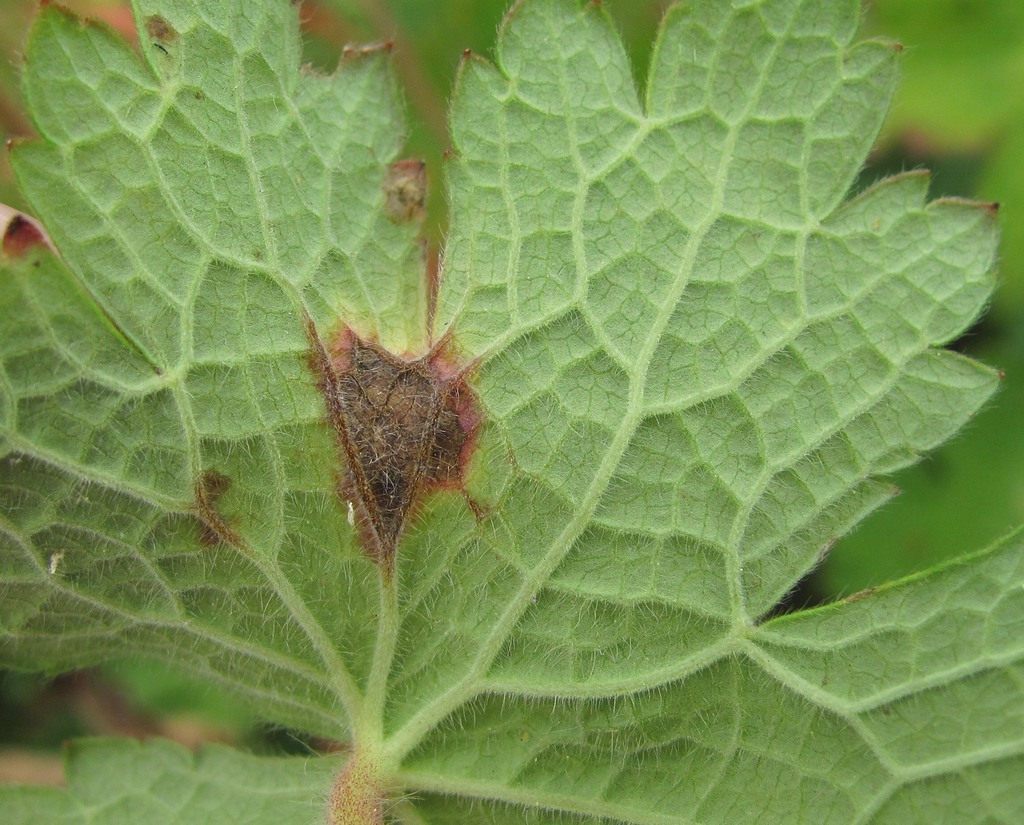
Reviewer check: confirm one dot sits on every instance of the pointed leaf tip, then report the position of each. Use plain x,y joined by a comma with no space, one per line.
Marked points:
21,233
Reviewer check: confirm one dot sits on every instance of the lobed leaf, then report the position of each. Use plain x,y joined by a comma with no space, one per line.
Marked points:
691,365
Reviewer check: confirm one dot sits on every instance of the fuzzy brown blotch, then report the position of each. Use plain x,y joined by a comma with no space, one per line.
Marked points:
406,427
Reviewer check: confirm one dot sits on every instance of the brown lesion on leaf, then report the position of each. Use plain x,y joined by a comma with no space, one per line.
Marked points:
405,190
159,29
214,529
405,427
161,33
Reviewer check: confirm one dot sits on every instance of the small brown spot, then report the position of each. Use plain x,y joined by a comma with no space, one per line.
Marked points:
405,190
160,30
213,528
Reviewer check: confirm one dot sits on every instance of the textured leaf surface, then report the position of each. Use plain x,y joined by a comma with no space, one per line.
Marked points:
693,363
118,781
202,201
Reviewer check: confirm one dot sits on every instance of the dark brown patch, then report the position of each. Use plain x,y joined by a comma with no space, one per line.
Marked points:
405,190
405,427
213,528
160,30
21,235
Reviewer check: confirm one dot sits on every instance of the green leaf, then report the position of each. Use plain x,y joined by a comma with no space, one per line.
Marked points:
958,95
112,781
964,495
516,548
897,706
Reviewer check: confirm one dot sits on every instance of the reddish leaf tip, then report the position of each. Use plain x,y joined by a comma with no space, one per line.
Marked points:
20,236
21,233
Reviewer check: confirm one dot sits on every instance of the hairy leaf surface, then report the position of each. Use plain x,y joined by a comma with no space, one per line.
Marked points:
513,543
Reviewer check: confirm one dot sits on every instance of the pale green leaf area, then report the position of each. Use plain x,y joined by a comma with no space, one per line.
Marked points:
160,783
696,362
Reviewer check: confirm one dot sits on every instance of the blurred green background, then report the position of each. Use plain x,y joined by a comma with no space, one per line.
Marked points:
959,112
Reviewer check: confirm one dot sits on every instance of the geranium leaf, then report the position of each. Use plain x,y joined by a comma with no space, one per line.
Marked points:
513,537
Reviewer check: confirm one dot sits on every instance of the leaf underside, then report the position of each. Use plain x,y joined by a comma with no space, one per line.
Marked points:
693,364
